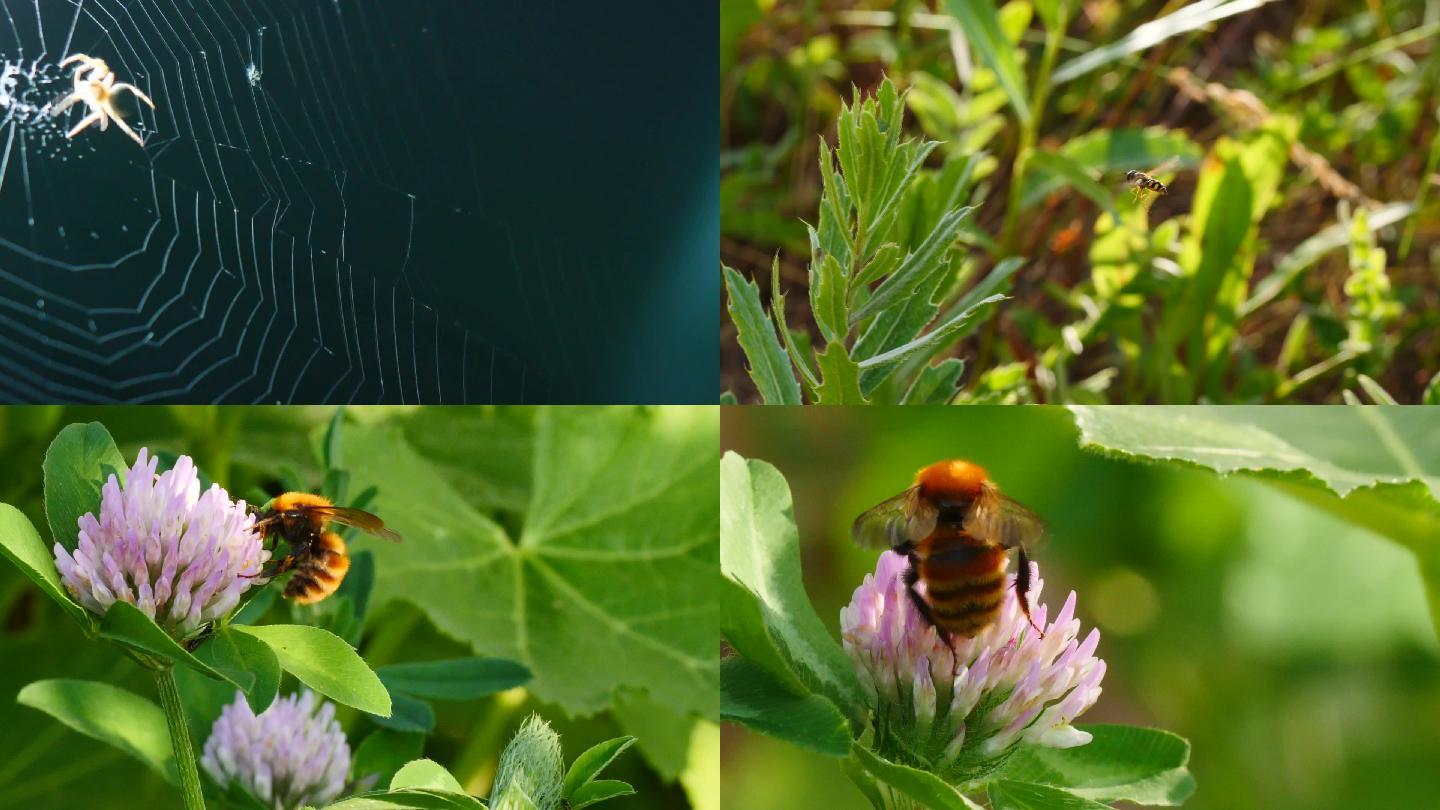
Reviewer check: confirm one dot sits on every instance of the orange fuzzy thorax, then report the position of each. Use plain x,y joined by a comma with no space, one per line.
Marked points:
952,479
287,501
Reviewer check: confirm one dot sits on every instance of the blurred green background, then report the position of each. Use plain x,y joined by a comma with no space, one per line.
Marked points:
484,453
1294,651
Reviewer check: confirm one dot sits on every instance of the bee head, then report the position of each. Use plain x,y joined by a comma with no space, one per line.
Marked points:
1131,175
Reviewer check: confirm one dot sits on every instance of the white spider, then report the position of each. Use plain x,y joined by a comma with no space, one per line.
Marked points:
96,87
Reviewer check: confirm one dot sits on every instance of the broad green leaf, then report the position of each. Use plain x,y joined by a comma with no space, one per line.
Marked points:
483,452
1190,18
614,565
109,714
1120,763
1007,795
744,626
926,788
77,464
750,697
598,791
382,753
769,366
410,798
21,544
760,551
454,679
828,291
1113,152
407,714
324,662
935,385
981,26
1060,165
128,625
589,764
243,660
425,773
839,378
1376,467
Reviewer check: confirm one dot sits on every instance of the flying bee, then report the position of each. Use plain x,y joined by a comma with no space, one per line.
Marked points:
317,556
1142,185
956,529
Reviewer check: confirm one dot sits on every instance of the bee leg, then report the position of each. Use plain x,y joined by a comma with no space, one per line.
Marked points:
912,576
274,568
1022,590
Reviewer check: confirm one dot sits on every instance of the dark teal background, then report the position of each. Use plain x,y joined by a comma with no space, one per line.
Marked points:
417,201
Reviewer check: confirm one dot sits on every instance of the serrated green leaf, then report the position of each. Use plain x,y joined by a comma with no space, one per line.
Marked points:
978,20
759,550
935,385
932,339
828,291
324,662
769,366
839,378
926,788
1121,763
109,714
77,464
917,269
21,544
750,697
455,678
1007,795
615,565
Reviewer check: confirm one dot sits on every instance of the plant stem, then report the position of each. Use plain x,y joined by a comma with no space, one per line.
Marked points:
180,738
1029,130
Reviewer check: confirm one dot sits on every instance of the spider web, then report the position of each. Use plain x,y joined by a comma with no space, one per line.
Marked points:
318,214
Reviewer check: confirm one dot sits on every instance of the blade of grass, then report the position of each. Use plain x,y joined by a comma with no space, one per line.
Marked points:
981,27
1190,18
1076,176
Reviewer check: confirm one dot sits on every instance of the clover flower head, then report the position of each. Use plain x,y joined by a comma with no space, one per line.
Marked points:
290,755
182,556
961,715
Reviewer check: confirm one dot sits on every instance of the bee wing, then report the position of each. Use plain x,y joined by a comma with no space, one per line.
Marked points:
358,518
905,518
1164,167
997,519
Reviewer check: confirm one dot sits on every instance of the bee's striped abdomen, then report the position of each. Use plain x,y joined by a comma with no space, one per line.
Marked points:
320,572
964,581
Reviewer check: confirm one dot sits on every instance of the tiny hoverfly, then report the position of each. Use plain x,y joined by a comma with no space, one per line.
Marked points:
1145,187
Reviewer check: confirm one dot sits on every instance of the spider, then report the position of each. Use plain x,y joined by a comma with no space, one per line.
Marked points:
96,87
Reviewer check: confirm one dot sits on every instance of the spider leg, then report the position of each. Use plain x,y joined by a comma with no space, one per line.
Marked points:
134,91
98,115
65,104
128,131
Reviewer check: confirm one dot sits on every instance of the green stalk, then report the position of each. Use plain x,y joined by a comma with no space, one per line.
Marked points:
180,738
1030,129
